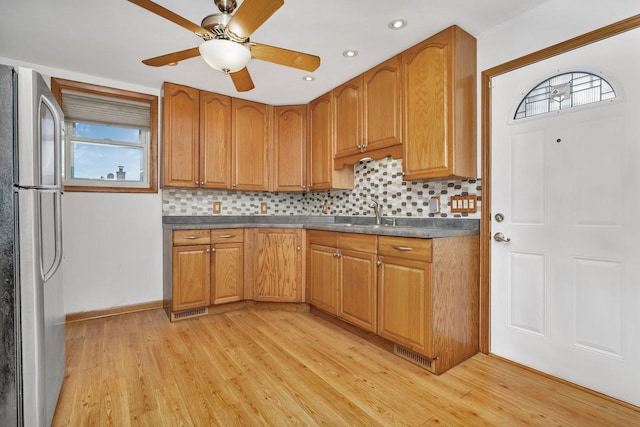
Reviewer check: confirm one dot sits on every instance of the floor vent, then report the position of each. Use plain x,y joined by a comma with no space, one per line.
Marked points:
413,357
189,313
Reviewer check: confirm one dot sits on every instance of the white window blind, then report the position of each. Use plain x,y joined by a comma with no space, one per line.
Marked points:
89,108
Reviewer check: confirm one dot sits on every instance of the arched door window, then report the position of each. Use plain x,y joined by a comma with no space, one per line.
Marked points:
564,91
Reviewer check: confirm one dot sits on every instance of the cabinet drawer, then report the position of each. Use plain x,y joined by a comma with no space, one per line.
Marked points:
405,247
230,235
358,242
191,237
322,238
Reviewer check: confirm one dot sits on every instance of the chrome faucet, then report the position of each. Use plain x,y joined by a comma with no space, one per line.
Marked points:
377,209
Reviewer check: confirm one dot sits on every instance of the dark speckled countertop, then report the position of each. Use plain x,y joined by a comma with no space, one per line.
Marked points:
406,227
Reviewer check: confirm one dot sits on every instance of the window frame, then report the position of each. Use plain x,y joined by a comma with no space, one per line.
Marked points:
58,85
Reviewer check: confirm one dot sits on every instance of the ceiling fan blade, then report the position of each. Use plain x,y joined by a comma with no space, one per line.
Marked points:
288,58
172,58
167,14
242,80
250,15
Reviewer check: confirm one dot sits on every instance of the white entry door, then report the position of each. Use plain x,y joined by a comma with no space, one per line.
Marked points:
565,287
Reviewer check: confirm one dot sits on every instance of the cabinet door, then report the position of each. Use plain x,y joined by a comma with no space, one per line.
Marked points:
289,146
279,265
215,140
426,77
439,131
250,136
180,136
322,176
191,277
404,303
227,273
324,277
383,105
320,141
358,297
347,118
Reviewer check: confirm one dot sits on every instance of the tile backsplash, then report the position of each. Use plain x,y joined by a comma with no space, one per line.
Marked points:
379,180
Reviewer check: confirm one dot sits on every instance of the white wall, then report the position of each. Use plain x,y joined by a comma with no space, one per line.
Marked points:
112,241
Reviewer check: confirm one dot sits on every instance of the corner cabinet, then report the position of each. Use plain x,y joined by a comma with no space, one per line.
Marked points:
290,148
278,264
250,145
439,90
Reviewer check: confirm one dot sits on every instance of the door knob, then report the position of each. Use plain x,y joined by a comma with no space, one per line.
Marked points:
499,237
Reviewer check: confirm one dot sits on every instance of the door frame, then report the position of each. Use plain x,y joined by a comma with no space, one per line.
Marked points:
485,221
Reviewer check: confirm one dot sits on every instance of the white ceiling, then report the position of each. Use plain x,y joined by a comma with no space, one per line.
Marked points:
109,38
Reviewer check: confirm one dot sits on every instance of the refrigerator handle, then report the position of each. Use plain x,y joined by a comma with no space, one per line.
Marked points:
58,242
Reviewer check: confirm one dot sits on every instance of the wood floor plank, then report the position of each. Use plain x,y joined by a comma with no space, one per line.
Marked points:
270,368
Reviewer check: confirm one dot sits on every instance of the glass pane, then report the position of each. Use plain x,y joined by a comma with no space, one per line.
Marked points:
111,133
106,162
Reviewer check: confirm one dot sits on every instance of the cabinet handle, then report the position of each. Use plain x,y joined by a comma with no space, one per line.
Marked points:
336,255
378,263
213,249
226,236
298,248
193,236
402,248
207,251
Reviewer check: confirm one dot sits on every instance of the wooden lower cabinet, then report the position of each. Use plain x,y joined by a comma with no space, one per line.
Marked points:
342,276
278,265
405,303
191,267
357,294
227,266
324,276
428,297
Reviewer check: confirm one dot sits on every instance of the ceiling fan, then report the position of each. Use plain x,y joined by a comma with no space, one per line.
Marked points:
226,45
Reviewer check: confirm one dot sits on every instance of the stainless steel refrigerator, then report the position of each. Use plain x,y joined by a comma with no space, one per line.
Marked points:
31,304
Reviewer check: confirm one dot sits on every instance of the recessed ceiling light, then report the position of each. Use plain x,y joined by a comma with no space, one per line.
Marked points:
350,53
308,78
398,24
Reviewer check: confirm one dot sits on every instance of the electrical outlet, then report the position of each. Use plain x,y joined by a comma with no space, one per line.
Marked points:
217,207
467,203
264,207
434,204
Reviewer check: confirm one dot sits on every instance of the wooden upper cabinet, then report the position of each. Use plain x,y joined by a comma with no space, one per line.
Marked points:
290,148
347,118
215,140
439,89
250,142
383,105
180,136
322,176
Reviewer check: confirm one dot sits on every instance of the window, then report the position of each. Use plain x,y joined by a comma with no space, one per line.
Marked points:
564,91
110,138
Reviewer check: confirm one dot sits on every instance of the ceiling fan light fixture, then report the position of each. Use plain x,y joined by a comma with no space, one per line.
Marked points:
225,55
398,24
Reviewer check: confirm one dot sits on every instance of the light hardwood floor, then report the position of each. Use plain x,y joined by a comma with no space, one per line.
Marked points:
279,368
